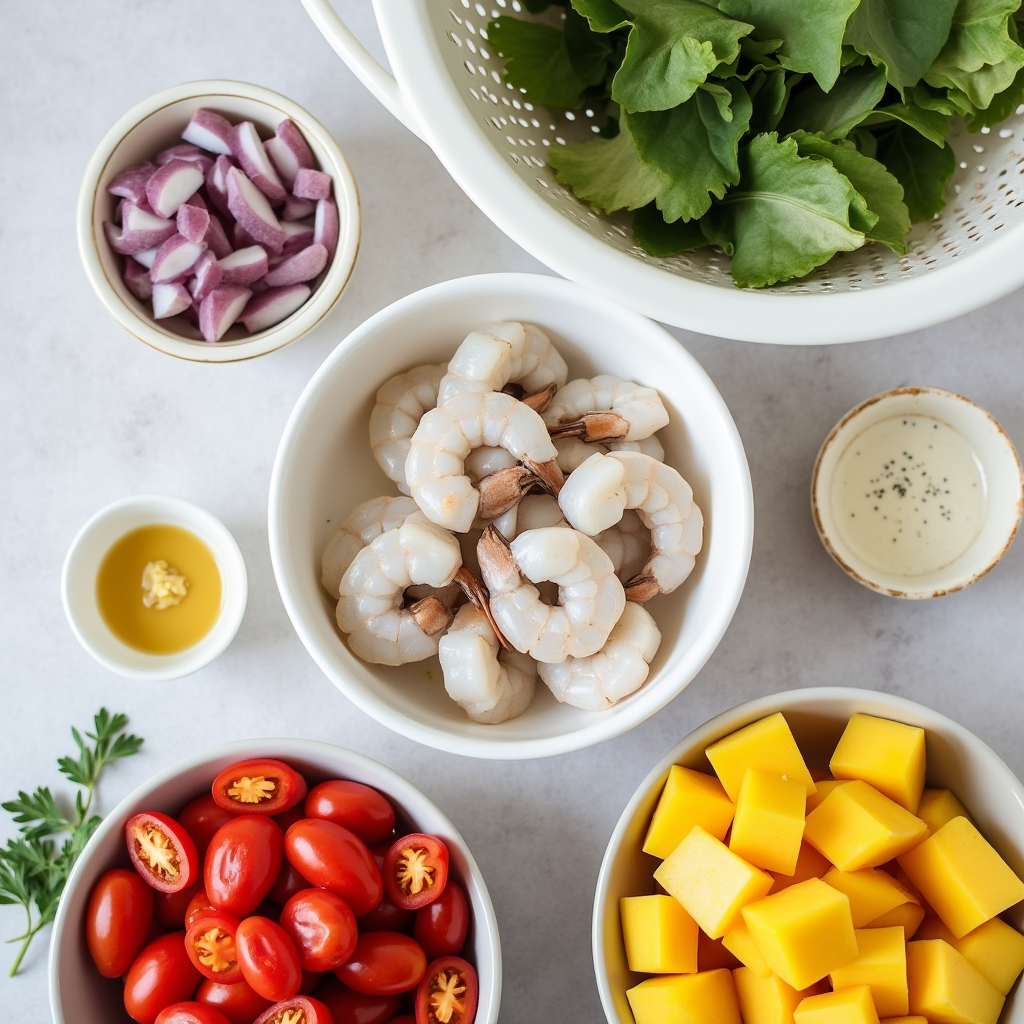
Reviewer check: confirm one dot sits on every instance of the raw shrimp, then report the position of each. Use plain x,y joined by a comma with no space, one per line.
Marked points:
485,460
503,353
595,496
572,452
489,684
590,594
401,403
532,513
605,408
620,668
435,468
627,544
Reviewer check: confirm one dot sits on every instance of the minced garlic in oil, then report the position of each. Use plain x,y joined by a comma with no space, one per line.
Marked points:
163,587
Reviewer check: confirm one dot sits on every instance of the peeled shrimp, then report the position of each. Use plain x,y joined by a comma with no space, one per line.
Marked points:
617,670
595,496
489,684
605,408
627,544
531,513
591,596
401,403
572,452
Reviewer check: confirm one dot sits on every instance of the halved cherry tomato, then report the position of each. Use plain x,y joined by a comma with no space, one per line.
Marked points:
201,818
238,1002
310,1011
269,959
441,926
384,964
242,863
117,920
263,786
447,993
210,944
198,907
190,1013
415,870
160,975
287,884
358,808
162,851
350,1007
333,858
323,928
170,908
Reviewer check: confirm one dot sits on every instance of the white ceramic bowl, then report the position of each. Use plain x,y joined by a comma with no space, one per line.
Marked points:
1001,473
324,468
82,563
153,125
957,760
78,995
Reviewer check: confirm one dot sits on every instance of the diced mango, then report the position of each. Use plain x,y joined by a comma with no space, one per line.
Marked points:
849,1006
767,745
907,916
765,1000
946,988
809,864
872,893
995,949
938,806
962,876
710,881
740,943
659,935
887,755
856,827
769,823
711,954
881,964
689,798
824,788
705,998
804,932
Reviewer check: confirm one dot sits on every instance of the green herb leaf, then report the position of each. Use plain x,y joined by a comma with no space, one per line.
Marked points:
770,96
834,114
603,15
922,169
1002,106
929,123
537,60
657,238
590,53
39,811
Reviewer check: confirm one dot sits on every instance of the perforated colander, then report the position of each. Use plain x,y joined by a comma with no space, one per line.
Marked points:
448,90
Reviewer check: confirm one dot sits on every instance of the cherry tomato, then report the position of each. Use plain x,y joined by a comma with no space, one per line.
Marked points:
311,1011
333,858
201,818
198,906
170,908
358,808
210,944
350,1007
415,870
441,926
160,975
286,819
162,851
447,993
323,928
117,920
386,917
263,786
242,863
384,964
269,959
190,1013
286,885
238,1002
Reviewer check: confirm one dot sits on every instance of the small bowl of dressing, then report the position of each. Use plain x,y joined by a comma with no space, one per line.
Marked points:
917,492
154,587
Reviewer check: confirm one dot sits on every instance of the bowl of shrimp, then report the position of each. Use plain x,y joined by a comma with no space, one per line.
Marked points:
510,518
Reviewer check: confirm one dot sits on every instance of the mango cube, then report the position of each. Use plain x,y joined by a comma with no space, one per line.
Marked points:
804,932
849,1006
705,998
765,1000
886,755
962,876
907,916
710,881
995,949
946,988
856,827
881,964
938,806
824,788
739,942
768,746
809,864
660,937
689,798
769,823
872,893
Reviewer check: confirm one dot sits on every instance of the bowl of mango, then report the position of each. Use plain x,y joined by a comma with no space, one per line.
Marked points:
823,856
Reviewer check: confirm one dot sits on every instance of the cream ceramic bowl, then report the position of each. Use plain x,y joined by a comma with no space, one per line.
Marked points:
324,469
78,995
1000,470
153,125
82,563
957,760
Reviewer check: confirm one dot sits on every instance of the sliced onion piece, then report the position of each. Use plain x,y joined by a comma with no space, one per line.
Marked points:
208,276
217,183
175,259
220,309
193,222
209,131
297,235
216,238
249,152
303,266
170,300
136,277
187,152
326,227
244,266
253,213
310,184
297,209
273,306
171,185
140,230
130,184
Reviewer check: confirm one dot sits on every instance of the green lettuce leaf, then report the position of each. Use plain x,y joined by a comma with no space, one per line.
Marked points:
590,53
922,169
656,237
1002,106
537,60
834,114
770,94
930,123
603,15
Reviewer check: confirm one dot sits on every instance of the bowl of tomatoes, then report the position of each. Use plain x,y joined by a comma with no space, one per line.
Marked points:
276,882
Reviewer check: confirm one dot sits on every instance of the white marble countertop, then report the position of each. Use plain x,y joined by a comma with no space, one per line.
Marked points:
84,406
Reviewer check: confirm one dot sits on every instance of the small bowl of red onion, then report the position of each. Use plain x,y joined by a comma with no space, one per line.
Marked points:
218,221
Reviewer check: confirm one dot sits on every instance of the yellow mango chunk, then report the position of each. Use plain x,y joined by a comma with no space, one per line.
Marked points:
804,932
907,916
739,942
856,827
809,864
659,935
689,798
769,823
938,806
962,876
886,755
710,881
946,988
705,998
995,949
824,788
881,964
768,746
872,893
765,1000
849,1006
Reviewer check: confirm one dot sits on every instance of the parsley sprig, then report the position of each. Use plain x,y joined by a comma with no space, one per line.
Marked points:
33,868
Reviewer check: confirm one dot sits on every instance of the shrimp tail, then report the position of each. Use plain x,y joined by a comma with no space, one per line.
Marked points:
431,615
593,427
541,399
475,590
642,587
501,490
549,475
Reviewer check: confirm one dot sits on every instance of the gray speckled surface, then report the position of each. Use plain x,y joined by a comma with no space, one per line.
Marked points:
90,415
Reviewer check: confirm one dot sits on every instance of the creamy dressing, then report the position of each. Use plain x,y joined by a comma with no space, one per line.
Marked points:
908,495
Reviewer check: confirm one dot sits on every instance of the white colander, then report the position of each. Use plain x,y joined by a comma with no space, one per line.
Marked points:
448,90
